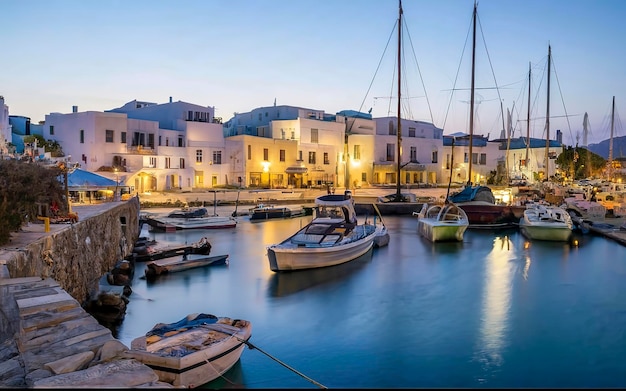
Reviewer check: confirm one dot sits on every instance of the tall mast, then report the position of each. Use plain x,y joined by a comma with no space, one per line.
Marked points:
398,194
548,115
471,124
528,122
611,139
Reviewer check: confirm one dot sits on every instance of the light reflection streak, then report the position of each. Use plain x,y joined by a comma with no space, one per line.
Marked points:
496,303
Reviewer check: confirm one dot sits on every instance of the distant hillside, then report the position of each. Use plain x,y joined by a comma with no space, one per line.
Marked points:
602,149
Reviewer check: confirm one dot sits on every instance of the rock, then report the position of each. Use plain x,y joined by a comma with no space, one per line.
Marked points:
71,363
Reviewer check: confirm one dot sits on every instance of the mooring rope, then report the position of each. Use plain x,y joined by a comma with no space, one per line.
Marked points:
251,346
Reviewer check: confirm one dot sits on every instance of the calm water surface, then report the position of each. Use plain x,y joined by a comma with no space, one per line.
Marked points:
493,311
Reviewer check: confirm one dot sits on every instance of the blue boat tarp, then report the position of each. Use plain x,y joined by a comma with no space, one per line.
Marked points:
89,180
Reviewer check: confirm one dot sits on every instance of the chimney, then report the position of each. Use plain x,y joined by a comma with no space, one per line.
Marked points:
170,99
74,109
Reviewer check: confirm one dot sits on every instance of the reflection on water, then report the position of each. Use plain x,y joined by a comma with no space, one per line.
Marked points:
496,304
289,282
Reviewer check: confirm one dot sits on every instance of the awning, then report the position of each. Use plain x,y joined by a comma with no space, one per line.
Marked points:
296,170
414,167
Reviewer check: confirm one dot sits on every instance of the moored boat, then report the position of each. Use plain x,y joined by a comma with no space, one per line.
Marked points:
190,218
268,211
193,351
334,236
181,263
546,222
442,223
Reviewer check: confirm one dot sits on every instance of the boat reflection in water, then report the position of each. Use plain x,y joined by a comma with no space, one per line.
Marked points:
287,283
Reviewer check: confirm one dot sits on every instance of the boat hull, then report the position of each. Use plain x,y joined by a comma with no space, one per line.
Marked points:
441,231
178,264
484,215
296,258
194,369
216,222
543,232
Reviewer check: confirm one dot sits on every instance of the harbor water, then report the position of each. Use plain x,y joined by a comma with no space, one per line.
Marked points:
493,311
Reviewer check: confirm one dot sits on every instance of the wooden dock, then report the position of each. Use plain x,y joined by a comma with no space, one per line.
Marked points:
49,341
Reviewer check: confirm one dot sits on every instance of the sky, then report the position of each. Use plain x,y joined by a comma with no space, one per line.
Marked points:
331,55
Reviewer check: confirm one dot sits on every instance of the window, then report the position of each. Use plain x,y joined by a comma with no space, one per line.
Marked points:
483,158
465,158
312,157
180,142
357,152
249,152
293,135
182,162
448,161
413,154
392,129
152,162
82,136
167,162
151,140
326,159
391,152
282,134
314,136
51,130
474,158
299,156
435,156
364,177
109,136
198,156
266,154
260,116
123,137
217,157
282,155
411,132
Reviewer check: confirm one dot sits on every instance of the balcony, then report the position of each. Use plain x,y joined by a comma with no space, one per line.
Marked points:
141,150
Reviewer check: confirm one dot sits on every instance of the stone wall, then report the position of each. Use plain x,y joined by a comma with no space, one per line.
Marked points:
79,255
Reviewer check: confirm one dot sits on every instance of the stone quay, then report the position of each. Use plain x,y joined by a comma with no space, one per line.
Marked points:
47,338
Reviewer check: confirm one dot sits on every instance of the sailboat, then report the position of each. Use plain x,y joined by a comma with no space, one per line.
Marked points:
478,202
398,203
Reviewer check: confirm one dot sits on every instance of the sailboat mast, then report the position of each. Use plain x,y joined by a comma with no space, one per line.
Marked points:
548,115
528,121
471,124
398,194
611,139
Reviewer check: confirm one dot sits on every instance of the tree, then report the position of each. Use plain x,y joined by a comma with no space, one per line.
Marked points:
51,146
580,163
24,187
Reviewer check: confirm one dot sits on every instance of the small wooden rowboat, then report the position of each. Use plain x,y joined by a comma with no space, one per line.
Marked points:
181,263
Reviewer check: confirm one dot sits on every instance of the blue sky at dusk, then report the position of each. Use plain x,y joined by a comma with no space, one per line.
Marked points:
332,55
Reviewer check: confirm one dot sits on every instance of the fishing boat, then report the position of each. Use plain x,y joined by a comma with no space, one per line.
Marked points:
181,263
546,222
193,351
477,201
442,223
334,236
268,211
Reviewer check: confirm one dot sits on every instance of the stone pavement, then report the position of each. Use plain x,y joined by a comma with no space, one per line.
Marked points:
55,343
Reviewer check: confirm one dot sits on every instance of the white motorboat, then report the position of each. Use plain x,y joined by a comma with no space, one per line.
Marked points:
333,237
193,351
190,218
442,223
546,222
